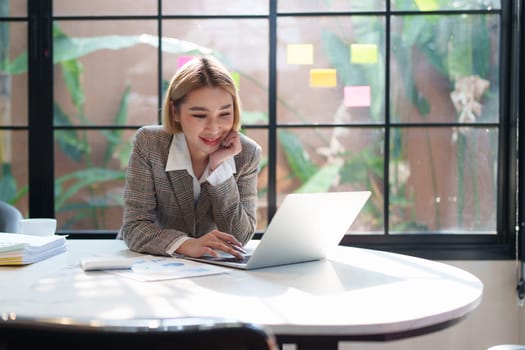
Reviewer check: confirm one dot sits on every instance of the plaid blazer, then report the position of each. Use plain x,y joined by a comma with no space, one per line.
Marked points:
159,206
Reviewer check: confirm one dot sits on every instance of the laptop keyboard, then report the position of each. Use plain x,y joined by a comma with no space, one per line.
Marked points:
235,260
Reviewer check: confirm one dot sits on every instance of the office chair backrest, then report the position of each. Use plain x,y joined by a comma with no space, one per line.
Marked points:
144,334
9,218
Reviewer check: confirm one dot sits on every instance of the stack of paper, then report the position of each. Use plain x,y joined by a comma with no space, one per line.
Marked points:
20,249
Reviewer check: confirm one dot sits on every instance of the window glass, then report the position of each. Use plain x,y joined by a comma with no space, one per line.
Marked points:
13,73
242,45
106,73
90,173
104,7
445,68
334,159
214,7
329,6
14,8
13,106
14,170
89,178
420,131
436,5
443,180
331,69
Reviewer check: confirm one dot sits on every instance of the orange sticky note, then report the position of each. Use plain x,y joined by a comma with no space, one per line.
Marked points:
300,54
357,96
363,53
323,78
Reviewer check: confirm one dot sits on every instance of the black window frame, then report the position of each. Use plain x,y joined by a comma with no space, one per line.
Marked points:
435,246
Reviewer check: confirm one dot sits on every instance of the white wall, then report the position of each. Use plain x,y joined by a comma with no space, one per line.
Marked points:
497,320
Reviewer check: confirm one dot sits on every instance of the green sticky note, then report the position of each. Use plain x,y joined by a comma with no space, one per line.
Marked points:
236,79
363,53
427,5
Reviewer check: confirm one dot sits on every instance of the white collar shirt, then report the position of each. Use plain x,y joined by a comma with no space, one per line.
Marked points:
179,159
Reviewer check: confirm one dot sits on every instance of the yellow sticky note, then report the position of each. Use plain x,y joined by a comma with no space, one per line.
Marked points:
300,54
363,53
323,78
236,79
427,5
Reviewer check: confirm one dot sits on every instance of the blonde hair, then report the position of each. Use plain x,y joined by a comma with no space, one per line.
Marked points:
195,74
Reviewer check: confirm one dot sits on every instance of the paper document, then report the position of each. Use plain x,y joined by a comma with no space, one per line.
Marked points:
20,249
156,268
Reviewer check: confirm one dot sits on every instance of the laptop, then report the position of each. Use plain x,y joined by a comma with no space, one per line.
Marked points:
304,228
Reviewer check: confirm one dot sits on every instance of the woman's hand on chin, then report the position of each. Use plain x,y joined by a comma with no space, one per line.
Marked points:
230,146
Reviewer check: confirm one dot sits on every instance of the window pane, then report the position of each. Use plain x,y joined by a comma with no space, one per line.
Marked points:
214,7
13,106
106,73
13,8
443,180
436,5
89,178
14,170
334,159
445,69
104,7
242,45
13,73
329,6
331,69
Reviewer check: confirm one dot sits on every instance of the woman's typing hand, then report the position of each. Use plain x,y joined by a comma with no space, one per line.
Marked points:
210,244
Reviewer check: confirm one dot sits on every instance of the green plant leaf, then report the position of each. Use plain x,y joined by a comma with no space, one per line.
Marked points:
18,65
322,180
4,36
339,56
83,179
7,184
72,71
297,157
338,53
66,48
114,136
68,140
253,117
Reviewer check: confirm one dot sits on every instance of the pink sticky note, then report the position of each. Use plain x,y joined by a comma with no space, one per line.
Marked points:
357,96
181,60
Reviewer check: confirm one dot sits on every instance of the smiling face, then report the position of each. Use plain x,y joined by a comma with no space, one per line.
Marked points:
206,118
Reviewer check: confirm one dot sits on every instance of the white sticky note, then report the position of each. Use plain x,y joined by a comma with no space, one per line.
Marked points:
300,54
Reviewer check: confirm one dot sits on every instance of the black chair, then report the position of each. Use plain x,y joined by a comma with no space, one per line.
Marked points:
9,218
147,334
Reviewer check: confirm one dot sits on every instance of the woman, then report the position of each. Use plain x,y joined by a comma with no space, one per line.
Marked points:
191,184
